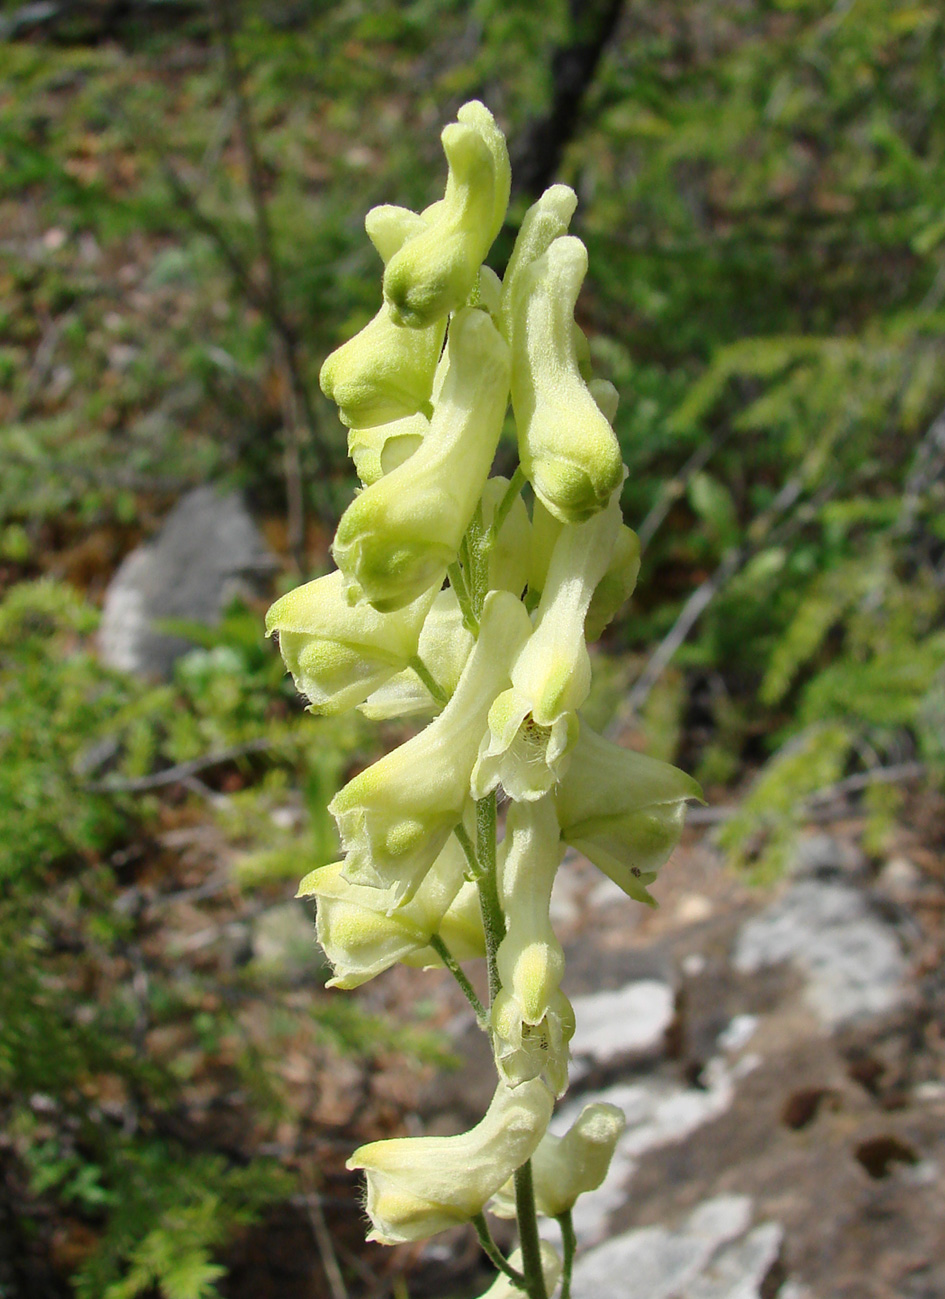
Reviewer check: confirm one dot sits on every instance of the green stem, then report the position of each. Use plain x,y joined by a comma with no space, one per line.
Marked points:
569,1241
428,679
528,1233
462,835
458,583
493,921
456,970
492,1250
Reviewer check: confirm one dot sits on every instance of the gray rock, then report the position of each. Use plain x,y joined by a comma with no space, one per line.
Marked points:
208,551
659,1113
852,961
657,1263
627,1021
739,1270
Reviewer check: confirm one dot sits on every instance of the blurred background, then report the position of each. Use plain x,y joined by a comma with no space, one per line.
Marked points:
182,191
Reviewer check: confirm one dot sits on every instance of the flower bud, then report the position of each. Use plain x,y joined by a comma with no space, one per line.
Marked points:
338,655
622,810
617,584
395,817
504,1288
533,726
399,536
418,1186
362,934
565,1167
567,448
435,271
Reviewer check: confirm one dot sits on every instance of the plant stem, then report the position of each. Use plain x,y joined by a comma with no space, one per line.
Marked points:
458,583
428,679
528,1233
493,921
492,1252
569,1242
468,847
456,970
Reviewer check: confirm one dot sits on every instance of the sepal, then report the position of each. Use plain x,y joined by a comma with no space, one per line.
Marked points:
338,655
623,810
397,538
563,1168
435,270
395,816
568,450
418,1186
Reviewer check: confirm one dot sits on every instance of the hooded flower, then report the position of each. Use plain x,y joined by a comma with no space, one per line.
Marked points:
397,538
395,817
435,271
444,646
532,1020
418,1186
362,934
568,450
565,1167
384,373
338,655
622,810
533,726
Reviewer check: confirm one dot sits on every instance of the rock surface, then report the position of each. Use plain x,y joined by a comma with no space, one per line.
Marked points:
785,1137
208,551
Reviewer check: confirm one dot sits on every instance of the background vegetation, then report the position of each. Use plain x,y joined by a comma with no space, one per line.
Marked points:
182,193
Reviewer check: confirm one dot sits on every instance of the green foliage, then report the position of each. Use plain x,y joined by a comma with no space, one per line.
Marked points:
73,1024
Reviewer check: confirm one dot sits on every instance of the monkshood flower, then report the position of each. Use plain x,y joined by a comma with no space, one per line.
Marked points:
565,1167
504,1287
622,810
568,450
338,655
362,934
418,1186
395,817
398,537
435,270
384,373
533,726
531,1018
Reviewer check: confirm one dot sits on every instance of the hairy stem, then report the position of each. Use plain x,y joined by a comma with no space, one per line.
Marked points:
493,921
428,679
569,1242
492,1252
456,970
528,1233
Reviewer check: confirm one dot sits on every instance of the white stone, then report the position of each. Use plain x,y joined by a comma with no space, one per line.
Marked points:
627,1021
852,962
656,1263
